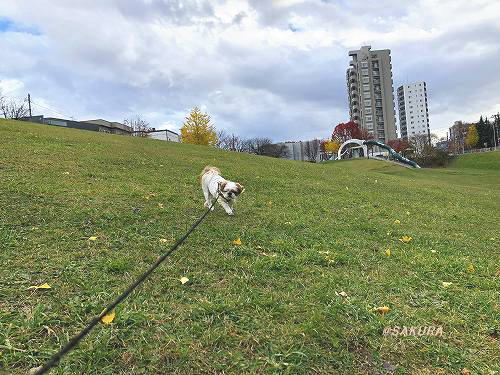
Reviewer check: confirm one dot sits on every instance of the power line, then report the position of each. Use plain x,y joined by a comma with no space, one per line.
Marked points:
39,105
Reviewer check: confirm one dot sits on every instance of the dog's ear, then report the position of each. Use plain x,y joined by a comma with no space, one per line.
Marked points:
222,185
240,187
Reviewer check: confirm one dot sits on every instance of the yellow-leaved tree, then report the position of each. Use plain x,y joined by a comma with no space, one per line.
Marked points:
332,146
197,129
472,136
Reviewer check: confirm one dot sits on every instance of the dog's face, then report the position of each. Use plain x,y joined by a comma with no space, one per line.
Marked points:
230,190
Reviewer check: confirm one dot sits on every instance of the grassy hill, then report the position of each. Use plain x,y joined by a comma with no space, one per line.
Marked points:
298,296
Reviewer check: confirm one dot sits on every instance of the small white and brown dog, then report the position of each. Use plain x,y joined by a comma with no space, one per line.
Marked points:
213,185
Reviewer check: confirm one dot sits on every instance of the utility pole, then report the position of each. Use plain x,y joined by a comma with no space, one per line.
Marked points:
495,123
29,103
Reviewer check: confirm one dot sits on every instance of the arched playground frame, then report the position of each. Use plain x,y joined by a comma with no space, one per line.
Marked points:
366,143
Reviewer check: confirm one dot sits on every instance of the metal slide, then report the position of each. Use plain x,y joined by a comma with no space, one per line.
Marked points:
393,153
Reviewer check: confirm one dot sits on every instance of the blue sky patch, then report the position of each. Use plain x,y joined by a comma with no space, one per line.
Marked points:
8,25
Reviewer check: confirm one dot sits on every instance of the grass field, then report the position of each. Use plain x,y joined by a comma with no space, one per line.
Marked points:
296,297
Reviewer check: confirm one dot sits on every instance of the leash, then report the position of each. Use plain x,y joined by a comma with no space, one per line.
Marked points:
76,339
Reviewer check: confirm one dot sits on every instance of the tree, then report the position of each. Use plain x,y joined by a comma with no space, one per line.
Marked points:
14,109
331,146
398,145
311,149
485,132
472,137
346,131
257,145
419,143
197,129
139,125
275,150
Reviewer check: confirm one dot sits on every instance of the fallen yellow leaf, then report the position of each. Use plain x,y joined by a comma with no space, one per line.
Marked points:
405,239
163,240
108,318
397,221
446,284
160,205
237,241
388,252
93,238
184,280
382,309
42,286
470,268
465,371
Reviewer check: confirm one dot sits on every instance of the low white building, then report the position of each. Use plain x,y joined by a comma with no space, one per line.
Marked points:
162,135
165,135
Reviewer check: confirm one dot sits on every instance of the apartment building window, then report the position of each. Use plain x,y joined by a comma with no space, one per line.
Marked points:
368,110
368,103
364,64
368,118
366,79
366,87
366,95
369,125
364,72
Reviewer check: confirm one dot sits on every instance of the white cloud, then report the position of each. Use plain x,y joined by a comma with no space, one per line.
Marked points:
272,68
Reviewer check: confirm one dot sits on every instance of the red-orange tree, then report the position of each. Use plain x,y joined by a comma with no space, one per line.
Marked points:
399,144
349,130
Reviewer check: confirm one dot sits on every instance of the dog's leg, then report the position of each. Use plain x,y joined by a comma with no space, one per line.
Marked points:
227,208
208,196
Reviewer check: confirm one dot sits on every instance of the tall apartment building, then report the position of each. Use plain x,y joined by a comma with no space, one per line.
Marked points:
371,93
413,110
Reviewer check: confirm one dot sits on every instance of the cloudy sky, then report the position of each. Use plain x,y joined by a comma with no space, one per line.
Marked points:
271,68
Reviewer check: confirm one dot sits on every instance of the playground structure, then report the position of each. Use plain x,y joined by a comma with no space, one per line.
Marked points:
364,145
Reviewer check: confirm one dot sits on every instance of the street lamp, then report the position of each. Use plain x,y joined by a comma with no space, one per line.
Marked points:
496,119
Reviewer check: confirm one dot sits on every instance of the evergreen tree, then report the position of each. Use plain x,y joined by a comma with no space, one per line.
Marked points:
484,132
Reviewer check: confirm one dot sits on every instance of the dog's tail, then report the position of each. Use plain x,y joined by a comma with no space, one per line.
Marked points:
210,169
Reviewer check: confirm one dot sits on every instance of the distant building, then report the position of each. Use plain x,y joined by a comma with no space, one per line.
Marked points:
302,150
413,110
112,127
164,135
92,125
371,93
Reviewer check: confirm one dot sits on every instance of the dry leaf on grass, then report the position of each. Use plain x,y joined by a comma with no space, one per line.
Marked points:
470,268
405,239
108,318
388,252
42,286
184,280
163,240
397,221
93,238
447,284
237,241
382,309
